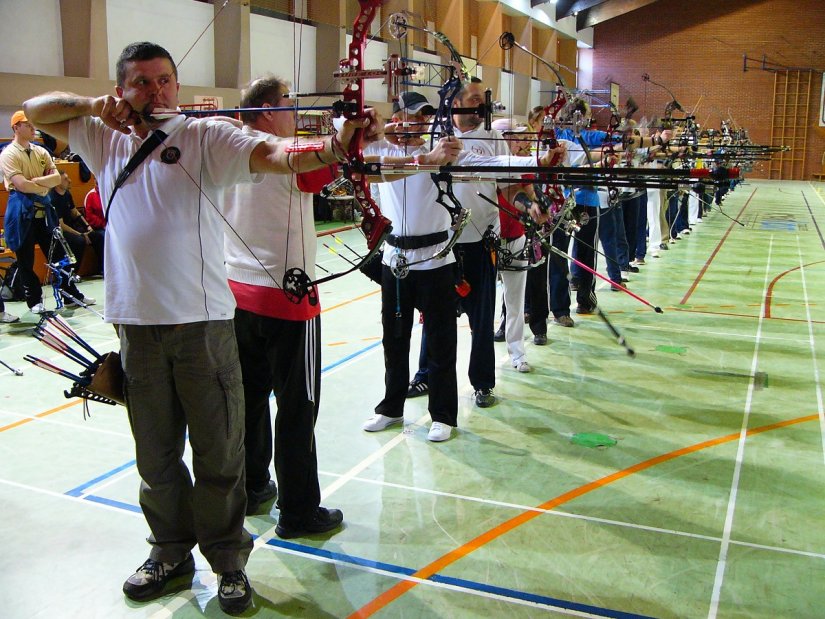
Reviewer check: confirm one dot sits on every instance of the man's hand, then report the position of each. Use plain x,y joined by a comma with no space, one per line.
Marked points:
444,153
372,126
539,216
115,113
554,154
396,133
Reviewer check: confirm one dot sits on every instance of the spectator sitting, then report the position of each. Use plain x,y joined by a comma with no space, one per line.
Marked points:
77,231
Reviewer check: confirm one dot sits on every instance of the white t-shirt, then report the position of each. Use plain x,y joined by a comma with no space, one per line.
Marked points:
164,237
482,213
410,204
276,220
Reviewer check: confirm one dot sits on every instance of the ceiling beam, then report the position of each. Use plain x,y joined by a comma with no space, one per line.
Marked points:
608,10
566,8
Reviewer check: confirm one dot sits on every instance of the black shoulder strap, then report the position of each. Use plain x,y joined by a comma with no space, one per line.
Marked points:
154,140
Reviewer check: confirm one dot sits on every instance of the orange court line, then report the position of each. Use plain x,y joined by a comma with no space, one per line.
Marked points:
41,415
769,295
348,301
465,549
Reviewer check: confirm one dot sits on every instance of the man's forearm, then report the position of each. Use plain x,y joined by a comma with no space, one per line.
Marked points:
55,107
49,180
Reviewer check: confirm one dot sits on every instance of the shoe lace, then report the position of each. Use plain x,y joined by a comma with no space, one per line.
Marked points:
151,569
232,582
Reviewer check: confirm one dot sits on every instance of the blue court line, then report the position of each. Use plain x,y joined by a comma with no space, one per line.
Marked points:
406,571
357,353
79,490
112,503
457,582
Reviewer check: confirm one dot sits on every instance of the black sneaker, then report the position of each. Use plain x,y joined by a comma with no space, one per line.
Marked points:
321,521
540,339
585,309
633,269
234,592
256,498
484,398
151,578
417,388
498,336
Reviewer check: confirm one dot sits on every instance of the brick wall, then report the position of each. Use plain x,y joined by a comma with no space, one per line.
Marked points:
696,49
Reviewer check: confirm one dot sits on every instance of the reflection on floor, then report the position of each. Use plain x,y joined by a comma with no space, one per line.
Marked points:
684,482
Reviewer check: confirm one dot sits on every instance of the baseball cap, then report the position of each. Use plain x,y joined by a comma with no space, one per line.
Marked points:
18,117
508,125
413,102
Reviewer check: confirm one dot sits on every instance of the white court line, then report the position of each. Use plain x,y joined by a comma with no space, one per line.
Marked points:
564,514
740,453
61,495
48,420
703,332
817,382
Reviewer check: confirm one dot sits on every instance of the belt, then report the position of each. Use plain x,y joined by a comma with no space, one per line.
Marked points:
417,242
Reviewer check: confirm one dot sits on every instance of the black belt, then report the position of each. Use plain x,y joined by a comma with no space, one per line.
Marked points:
417,242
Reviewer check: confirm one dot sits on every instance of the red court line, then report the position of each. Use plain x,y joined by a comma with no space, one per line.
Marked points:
769,295
753,316
462,551
716,251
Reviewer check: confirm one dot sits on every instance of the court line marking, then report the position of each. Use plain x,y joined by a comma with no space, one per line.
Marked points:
769,295
718,247
183,599
583,517
66,424
467,548
51,411
812,343
722,561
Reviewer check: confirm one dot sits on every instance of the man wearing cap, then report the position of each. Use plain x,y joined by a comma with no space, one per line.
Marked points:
29,174
421,228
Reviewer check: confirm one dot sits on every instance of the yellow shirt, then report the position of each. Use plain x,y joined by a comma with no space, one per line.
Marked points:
31,162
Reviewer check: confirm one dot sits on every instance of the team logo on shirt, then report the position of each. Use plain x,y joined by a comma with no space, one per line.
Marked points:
170,154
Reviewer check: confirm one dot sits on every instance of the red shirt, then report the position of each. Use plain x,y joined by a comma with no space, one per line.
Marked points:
511,227
94,210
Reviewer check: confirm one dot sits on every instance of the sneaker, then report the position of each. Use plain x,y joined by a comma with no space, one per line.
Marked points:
498,336
84,301
523,367
417,388
654,253
256,498
38,309
685,232
151,578
663,246
321,521
585,309
439,432
564,321
540,339
638,262
234,592
379,422
6,317
484,398
633,269
625,277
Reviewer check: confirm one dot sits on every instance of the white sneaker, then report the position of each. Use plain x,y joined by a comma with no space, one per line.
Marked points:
38,309
84,300
439,432
377,422
653,254
523,367
6,317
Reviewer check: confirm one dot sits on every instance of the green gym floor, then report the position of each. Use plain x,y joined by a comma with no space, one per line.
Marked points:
702,496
